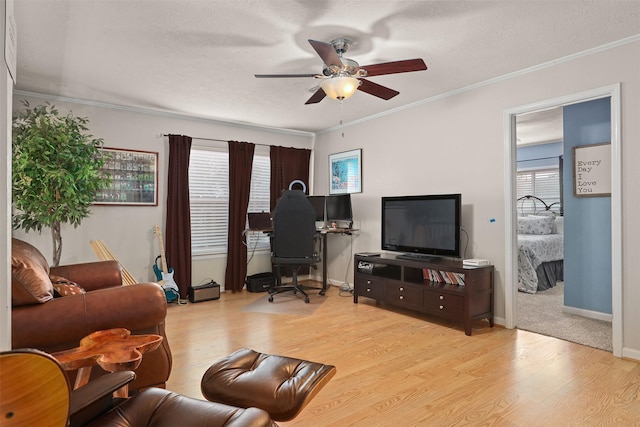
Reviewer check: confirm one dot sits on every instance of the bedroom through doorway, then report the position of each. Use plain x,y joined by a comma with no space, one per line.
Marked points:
540,219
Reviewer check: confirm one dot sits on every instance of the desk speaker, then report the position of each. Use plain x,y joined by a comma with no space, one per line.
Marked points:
207,292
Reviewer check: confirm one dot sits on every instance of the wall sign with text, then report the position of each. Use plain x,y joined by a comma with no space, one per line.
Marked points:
592,170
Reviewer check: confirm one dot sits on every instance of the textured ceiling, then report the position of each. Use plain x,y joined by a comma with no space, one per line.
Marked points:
198,57
540,127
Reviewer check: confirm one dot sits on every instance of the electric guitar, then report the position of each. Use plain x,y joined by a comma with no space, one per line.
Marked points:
165,276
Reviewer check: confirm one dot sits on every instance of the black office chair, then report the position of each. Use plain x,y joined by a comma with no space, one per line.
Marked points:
293,240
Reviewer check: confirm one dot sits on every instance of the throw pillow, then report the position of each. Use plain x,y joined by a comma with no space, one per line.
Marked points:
554,228
535,225
64,287
30,283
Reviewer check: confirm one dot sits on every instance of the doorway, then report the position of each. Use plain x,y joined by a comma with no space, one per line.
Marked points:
511,272
543,186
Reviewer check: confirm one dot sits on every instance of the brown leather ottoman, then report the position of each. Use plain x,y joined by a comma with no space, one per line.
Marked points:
280,385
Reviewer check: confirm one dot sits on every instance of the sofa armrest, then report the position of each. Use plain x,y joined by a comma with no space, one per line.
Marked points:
135,307
91,275
61,323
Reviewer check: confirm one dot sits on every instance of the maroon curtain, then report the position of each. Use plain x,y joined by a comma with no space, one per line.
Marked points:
178,232
287,164
240,166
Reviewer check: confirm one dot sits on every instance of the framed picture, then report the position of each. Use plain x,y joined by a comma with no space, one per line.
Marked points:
592,170
345,172
134,178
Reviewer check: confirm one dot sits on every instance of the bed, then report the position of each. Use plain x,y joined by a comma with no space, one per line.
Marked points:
540,251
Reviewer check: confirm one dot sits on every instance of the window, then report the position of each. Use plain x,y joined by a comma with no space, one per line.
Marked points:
259,198
209,197
542,183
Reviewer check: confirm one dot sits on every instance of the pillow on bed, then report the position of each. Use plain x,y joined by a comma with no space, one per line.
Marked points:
558,221
544,213
536,224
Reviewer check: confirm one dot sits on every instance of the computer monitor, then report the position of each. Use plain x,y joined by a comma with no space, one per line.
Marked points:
338,208
318,204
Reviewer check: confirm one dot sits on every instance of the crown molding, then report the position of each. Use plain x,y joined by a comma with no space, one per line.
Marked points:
165,113
548,64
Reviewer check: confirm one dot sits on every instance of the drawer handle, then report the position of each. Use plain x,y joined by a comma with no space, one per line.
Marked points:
441,297
401,297
368,282
401,289
368,289
442,307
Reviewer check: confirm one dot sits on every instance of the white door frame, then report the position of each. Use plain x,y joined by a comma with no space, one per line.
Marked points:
511,246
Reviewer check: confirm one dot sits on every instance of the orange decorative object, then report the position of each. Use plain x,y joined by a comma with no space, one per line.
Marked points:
113,349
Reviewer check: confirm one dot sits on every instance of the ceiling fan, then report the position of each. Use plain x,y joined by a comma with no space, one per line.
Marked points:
341,77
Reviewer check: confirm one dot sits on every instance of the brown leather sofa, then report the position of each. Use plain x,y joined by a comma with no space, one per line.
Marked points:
51,324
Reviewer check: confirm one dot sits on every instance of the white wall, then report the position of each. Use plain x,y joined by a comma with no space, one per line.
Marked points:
455,144
6,88
451,144
128,230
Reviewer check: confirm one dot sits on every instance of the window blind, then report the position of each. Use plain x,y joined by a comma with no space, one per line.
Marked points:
542,183
209,198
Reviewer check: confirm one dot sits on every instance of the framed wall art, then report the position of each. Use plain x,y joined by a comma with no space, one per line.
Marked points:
134,178
345,172
592,170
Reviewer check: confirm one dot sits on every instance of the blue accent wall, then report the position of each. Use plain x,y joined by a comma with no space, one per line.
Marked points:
587,227
539,156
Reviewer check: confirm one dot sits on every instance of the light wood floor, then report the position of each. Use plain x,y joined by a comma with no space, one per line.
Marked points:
396,368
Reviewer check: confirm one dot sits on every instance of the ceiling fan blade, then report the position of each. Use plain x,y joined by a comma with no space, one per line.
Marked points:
316,97
377,90
327,53
281,76
395,67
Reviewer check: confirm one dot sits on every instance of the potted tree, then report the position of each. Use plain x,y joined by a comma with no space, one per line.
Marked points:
56,171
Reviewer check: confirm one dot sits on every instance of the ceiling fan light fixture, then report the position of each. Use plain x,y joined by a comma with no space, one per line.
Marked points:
340,87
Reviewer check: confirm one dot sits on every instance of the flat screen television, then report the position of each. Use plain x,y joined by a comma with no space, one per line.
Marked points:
318,204
338,208
422,226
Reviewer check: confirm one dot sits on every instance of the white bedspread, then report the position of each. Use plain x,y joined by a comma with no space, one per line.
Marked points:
533,250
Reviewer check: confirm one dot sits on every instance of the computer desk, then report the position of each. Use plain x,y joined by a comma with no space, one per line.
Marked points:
324,232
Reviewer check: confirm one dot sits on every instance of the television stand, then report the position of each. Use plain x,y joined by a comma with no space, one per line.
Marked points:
442,288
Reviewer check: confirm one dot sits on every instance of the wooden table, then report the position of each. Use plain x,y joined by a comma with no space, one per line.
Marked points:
113,349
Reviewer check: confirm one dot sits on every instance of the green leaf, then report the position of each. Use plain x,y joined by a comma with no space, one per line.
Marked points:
55,168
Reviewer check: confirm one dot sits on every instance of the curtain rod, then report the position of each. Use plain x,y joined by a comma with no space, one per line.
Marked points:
540,158
219,140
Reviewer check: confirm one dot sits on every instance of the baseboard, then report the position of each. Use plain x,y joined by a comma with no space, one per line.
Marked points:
316,277
631,354
330,282
588,313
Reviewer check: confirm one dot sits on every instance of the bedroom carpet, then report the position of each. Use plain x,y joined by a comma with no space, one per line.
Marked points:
286,303
542,313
